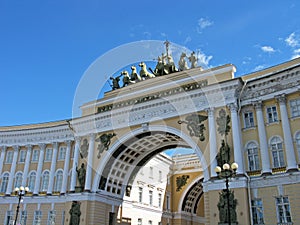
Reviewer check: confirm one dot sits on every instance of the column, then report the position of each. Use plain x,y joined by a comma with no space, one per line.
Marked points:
75,164
2,156
52,168
26,166
89,167
66,168
212,141
39,170
237,140
288,139
263,143
12,171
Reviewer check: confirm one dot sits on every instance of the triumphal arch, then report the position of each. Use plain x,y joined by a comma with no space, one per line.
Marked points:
85,170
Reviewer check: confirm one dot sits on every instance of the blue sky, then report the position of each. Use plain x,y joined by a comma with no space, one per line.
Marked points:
46,46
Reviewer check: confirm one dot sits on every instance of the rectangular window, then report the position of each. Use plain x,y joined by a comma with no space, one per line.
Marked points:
62,153
283,210
295,107
151,198
9,157
35,155
159,176
151,172
140,194
48,155
248,119
51,217
257,212
37,219
9,220
22,156
168,203
23,219
159,199
272,114
140,221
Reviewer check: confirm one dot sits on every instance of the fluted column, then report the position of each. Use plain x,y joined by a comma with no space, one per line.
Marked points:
212,142
263,143
75,163
2,156
26,166
66,168
89,167
237,140
288,139
52,168
12,171
39,170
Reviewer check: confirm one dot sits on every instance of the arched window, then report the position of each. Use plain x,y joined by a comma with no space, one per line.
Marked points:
18,179
45,181
4,182
31,181
298,145
58,181
253,159
277,152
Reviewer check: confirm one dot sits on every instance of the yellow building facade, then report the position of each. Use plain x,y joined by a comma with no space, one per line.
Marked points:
118,135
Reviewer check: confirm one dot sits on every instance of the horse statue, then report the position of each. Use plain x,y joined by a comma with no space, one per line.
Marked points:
134,76
171,65
144,72
126,79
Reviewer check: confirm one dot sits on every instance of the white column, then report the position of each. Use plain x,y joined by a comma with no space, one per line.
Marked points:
212,142
52,168
89,166
75,163
12,171
237,140
26,166
39,170
3,149
66,168
263,143
288,139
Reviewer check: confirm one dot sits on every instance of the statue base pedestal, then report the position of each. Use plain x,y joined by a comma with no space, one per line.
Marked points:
78,189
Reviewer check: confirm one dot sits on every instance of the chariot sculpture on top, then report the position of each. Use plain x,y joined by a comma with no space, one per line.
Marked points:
165,65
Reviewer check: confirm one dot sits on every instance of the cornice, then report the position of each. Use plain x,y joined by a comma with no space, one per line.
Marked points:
36,136
272,85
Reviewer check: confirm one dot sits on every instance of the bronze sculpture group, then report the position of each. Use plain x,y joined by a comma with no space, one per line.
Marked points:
165,65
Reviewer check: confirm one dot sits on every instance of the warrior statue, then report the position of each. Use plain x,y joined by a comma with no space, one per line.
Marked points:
75,213
182,62
81,176
193,60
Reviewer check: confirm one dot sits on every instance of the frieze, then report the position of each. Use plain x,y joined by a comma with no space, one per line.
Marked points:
269,86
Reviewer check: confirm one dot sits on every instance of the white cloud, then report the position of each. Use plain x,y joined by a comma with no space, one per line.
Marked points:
267,49
203,59
188,39
292,40
203,23
259,67
296,53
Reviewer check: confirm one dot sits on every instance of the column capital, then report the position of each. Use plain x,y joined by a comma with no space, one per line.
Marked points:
29,147
68,143
78,138
92,136
3,148
55,144
257,104
42,146
281,98
16,148
210,111
233,107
